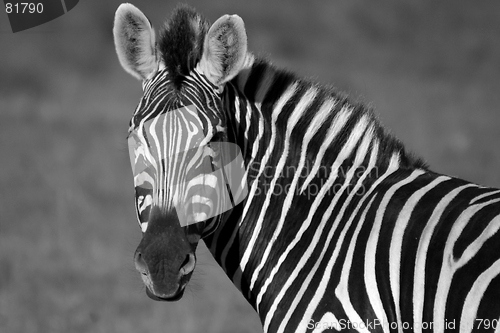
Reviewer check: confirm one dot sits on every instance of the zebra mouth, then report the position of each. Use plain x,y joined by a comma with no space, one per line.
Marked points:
177,296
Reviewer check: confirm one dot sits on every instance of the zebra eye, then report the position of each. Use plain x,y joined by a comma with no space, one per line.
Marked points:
219,90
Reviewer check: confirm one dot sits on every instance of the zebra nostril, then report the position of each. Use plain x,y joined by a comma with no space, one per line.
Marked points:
140,264
188,264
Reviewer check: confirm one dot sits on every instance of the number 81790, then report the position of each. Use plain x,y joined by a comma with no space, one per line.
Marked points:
24,8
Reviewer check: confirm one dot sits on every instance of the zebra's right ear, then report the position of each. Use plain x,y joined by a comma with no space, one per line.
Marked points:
135,42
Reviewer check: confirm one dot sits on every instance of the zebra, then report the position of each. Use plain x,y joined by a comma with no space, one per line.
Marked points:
340,227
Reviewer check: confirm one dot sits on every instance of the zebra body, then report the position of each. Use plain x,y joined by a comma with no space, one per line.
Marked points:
341,227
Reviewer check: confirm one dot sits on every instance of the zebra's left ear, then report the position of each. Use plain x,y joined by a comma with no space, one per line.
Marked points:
224,49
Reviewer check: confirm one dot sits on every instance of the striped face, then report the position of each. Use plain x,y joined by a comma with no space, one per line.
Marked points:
168,152
185,177
179,161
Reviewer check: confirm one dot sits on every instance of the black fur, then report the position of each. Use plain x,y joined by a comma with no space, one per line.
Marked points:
181,42
388,144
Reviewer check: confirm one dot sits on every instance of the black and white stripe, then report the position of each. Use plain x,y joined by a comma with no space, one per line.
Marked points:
173,138
365,246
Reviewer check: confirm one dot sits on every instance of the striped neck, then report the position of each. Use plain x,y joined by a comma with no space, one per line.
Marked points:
297,139
272,106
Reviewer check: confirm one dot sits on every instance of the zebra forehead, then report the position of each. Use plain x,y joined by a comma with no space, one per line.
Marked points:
181,42
185,124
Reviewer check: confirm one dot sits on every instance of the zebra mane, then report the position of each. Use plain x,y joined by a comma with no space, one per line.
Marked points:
181,42
181,45
250,79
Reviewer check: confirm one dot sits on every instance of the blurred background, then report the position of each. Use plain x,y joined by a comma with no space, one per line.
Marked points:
68,229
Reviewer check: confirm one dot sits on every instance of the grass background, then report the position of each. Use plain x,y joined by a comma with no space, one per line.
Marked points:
67,223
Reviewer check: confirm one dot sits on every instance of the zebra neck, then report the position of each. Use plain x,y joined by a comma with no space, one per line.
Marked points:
299,140
272,109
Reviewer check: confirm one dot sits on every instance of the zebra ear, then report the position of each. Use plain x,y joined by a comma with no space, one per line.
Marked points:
224,49
135,42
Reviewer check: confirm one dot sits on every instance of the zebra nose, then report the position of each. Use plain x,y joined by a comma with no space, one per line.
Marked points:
140,264
188,264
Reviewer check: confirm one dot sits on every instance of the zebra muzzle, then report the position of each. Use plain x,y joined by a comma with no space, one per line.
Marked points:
170,289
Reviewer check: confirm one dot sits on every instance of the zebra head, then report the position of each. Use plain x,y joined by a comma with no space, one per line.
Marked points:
177,136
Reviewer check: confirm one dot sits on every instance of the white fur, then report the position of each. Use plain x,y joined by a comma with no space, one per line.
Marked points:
135,43
225,49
